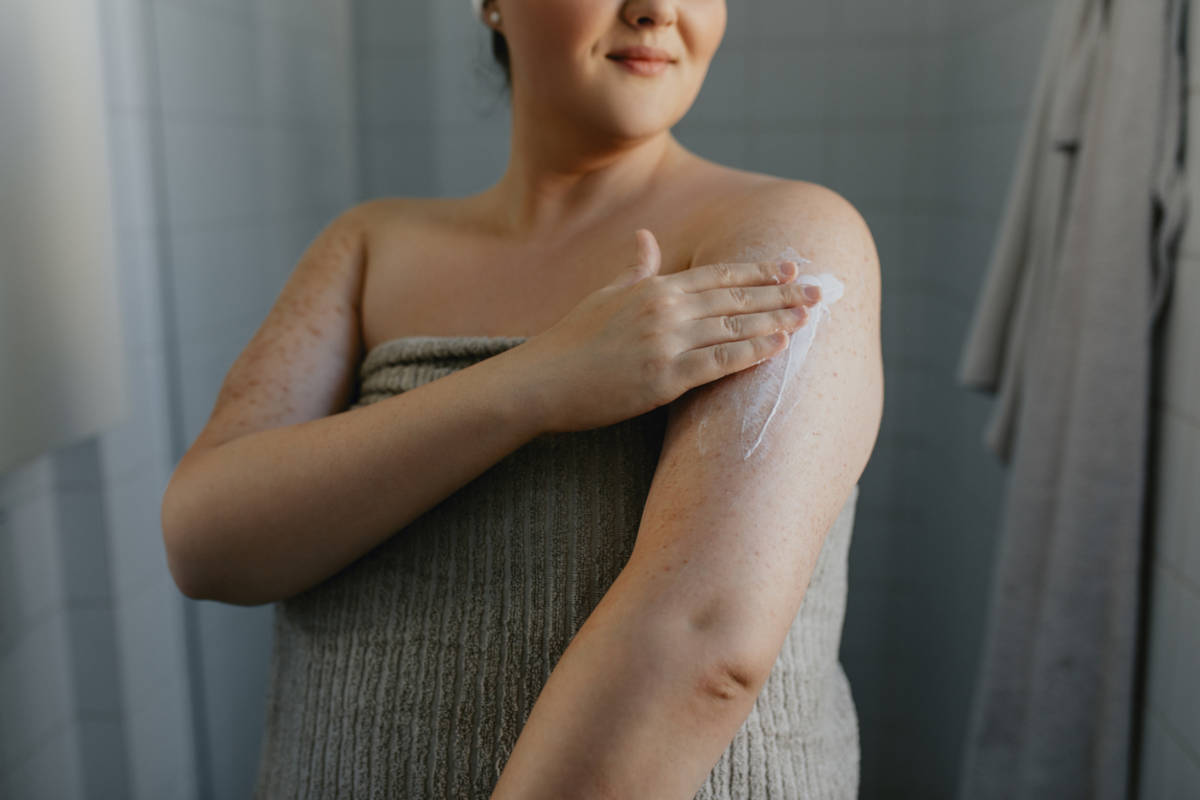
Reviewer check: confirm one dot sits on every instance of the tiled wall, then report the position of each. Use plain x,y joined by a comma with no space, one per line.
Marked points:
956,103
232,137
1171,736
395,62
256,120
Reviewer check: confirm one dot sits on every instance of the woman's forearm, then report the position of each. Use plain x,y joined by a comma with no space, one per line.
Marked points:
641,704
269,514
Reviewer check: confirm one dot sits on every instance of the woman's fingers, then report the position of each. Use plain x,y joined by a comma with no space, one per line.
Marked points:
730,327
725,274
649,260
705,364
749,299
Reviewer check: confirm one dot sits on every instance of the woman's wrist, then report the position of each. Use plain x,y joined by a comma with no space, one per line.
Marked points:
522,392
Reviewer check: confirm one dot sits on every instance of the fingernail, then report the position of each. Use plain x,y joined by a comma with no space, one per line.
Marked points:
812,292
787,270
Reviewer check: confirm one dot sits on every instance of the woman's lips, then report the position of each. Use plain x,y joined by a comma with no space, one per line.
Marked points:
641,66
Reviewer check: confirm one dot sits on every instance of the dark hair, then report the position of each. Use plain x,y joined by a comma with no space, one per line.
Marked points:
500,53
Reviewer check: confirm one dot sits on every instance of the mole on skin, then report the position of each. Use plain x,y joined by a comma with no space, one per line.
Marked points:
768,400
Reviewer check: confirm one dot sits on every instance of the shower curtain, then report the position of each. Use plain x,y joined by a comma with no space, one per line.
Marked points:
1062,335
61,362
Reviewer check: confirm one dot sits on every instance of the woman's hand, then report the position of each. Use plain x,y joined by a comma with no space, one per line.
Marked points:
645,339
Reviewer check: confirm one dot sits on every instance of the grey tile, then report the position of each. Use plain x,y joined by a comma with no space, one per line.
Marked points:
149,630
51,772
722,96
398,87
788,84
206,61
930,18
721,145
95,667
737,25
137,550
468,160
35,689
305,169
31,583
793,151
215,173
160,743
400,161
301,81
798,20
385,24
871,82
77,466
142,441
32,479
867,163
83,545
103,757
931,83
874,18
322,20
460,96
216,277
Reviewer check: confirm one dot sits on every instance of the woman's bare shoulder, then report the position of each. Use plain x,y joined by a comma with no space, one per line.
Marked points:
390,215
745,197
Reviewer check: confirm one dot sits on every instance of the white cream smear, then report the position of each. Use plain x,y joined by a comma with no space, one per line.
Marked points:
773,389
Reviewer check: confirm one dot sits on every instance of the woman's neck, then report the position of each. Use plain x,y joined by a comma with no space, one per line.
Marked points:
547,195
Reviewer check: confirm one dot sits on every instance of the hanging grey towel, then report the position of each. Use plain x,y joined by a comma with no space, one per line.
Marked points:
1062,336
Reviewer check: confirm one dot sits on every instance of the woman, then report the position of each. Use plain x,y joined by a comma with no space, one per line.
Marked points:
539,523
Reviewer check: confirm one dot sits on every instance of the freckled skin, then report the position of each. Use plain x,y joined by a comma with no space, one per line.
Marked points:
310,332
764,404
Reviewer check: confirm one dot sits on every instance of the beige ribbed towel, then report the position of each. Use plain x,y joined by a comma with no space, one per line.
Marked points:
410,673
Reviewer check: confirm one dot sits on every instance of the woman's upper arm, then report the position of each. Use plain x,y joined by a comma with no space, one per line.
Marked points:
731,531
301,362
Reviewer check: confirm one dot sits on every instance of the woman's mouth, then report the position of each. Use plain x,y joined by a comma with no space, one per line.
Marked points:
641,66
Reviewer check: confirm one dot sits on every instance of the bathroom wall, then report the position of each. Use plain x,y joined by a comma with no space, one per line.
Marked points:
396,88
1171,735
252,116
926,571
233,141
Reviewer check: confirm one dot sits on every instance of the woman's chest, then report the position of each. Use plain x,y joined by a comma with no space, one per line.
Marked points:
436,281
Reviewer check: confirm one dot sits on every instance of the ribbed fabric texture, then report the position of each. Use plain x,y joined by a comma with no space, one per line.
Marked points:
410,673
